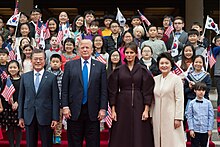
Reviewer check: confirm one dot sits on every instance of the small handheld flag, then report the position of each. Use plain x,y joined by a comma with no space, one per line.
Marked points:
210,24
143,18
120,18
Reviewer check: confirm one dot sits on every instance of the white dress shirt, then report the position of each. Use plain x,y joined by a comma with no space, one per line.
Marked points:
88,65
40,76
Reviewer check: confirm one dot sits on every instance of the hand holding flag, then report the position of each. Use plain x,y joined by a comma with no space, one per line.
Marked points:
169,29
120,18
11,52
8,91
143,18
174,48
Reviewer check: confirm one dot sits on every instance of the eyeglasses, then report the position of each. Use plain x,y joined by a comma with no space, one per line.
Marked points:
114,26
146,51
178,23
115,56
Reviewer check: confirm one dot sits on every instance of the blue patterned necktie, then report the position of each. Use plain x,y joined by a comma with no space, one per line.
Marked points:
37,81
85,82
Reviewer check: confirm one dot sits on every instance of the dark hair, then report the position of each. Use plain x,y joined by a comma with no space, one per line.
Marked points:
196,23
110,68
167,56
200,86
24,39
168,16
151,26
122,36
4,51
89,12
35,10
135,16
132,45
183,63
55,56
199,56
94,23
179,18
20,35
11,62
114,21
82,28
37,51
193,32
71,40
22,13
148,47
103,51
56,21
23,56
109,16
216,37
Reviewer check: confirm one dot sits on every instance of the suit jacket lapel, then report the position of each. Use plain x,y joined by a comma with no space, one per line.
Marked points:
32,81
79,66
43,80
92,68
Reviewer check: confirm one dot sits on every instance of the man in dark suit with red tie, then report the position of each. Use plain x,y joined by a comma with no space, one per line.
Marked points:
84,97
38,102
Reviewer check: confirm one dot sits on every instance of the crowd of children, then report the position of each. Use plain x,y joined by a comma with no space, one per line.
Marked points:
108,45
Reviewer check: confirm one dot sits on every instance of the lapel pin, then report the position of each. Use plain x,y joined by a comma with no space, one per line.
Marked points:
93,64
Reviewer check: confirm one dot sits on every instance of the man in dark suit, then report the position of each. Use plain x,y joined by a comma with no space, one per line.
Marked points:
38,102
84,97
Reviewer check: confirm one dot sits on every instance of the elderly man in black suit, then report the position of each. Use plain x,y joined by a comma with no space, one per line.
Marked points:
84,97
38,102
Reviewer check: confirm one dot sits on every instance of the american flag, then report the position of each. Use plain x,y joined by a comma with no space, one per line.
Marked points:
169,29
177,70
3,74
8,90
211,58
38,27
11,52
143,18
108,118
100,58
60,35
16,7
47,31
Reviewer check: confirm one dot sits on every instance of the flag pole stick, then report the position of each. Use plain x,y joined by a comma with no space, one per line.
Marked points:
185,76
143,23
16,29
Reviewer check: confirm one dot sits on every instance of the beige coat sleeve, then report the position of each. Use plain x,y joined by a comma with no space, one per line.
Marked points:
179,98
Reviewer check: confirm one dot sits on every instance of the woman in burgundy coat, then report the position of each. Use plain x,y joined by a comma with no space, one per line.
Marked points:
130,88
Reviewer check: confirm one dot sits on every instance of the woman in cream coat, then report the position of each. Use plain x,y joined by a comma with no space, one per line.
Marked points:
167,108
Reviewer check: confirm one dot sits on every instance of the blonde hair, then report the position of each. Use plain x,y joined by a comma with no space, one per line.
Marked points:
140,28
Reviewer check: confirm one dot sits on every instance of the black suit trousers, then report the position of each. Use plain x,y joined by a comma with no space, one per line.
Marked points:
46,134
83,128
